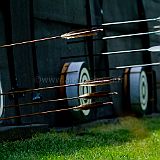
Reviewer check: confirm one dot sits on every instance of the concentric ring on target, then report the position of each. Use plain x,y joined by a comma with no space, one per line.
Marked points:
84,76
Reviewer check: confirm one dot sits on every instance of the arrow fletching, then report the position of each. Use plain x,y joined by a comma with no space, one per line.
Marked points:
97,94
154,49
100,82
81,33
158,19
92,105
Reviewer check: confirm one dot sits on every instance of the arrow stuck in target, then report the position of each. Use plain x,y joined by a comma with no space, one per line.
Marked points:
100,82
94,82
84,96
81,107
70,35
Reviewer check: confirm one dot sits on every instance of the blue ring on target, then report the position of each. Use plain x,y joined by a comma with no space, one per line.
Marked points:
78,73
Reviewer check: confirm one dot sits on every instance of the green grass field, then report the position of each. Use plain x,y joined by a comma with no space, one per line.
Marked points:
129,139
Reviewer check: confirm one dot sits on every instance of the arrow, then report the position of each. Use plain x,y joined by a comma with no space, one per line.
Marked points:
85,96
130,35
100,82
151,49
117,36
141,65
86,83
81,33
81,107
71,35
131,21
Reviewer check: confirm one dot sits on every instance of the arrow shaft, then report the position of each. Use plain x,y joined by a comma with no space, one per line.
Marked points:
41,102
132,21
85,96
109,53
70,35
89,83
29,41
87,106
114,37
124,51
130,35
141,65
151,49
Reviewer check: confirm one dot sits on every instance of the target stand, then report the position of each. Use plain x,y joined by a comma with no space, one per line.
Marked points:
73,73
136,91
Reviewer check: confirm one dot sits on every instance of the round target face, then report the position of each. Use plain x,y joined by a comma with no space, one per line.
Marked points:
1,100
143,91
138,90
76,72
84,76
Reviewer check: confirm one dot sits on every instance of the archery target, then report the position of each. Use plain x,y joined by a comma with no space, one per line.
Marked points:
78,73
1,100
138,90
73,73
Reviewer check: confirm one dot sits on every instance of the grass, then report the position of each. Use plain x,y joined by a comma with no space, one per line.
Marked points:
129,139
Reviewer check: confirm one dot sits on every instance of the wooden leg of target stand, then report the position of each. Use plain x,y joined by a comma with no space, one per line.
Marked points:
126,92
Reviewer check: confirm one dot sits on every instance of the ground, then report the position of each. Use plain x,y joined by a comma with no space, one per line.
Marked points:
128,138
